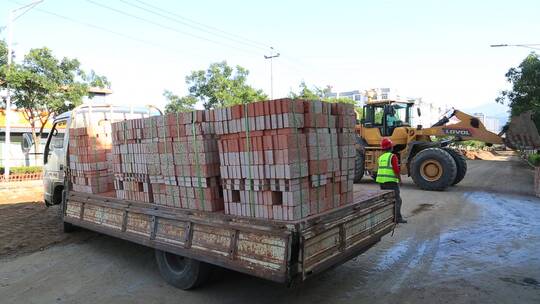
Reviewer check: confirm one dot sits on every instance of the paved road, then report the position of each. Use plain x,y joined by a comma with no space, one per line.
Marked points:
476,243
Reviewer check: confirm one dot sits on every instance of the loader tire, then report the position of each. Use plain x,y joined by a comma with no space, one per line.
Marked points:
461,164
433,169
359,166
181,272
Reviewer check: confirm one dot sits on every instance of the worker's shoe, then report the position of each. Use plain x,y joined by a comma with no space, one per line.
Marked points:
401,221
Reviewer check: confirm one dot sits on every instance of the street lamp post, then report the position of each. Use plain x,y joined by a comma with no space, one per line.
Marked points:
10,20
534,46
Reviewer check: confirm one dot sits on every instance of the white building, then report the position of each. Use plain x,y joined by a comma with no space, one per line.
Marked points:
431,113
491,123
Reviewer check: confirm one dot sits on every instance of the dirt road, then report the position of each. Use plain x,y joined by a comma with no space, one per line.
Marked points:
476,243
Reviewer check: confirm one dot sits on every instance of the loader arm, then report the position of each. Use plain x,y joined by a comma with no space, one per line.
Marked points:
467,128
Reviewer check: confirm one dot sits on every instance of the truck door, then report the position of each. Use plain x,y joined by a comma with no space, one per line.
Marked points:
54,160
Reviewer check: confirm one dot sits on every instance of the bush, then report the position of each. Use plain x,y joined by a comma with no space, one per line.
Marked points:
23,169
534,159
474,144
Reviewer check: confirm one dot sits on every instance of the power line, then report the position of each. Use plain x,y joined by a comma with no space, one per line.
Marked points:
266,46
198,26
164,26
139,40
90,25
293,61
26,9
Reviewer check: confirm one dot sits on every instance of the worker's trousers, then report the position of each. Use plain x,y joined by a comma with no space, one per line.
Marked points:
394,186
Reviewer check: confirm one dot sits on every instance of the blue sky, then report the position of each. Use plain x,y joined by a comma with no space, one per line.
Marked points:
438,50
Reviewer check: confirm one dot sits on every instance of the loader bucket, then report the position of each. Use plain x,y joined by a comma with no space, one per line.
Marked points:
521,133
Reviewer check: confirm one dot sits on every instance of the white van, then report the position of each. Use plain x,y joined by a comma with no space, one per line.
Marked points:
55,156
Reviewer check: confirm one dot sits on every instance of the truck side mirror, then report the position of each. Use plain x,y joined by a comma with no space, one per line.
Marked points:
418,112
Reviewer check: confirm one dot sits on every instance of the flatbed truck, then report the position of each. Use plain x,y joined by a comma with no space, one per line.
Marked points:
188,242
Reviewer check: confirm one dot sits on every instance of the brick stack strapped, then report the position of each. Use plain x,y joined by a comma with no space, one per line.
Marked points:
169,160
279,159
90,159
135,158
286,159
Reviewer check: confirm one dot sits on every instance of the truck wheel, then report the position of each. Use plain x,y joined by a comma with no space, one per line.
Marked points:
181,272
461,164
359,166
433,169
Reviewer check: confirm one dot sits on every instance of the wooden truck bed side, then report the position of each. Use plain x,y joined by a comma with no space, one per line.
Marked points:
281,251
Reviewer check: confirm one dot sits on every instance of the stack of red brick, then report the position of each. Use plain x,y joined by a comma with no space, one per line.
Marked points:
286,159
90,159
135,158
170,160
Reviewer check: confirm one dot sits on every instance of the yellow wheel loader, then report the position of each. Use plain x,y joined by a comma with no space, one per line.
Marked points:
424,153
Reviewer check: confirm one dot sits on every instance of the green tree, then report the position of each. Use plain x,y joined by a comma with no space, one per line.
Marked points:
221,85
525,92
304,92
43,86
3,65
3,53
317,93
95,80
179,104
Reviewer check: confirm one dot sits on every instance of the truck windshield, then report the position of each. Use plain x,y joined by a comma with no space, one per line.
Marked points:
402,113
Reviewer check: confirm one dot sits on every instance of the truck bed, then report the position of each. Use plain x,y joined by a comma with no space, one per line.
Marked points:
281,251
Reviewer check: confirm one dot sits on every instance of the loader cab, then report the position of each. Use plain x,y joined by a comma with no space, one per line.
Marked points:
386,116
56,148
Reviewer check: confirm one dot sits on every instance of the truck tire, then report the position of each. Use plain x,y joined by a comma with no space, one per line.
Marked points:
359,166
181,272
461,164
433,169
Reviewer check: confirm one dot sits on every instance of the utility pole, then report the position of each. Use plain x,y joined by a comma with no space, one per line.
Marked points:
10,20
271,57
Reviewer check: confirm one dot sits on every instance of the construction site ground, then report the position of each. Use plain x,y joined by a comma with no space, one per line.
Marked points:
478,242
